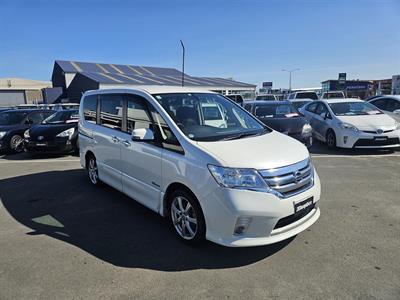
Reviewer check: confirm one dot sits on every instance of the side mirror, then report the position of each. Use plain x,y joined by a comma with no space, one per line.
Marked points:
28,122
327,116
396,111
142,134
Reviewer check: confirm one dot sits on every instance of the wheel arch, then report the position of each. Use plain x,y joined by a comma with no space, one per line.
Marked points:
170,189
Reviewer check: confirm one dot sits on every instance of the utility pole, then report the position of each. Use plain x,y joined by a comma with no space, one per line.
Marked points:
183,63
290,76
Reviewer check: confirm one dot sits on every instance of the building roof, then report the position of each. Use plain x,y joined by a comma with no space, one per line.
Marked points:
23,84
139,75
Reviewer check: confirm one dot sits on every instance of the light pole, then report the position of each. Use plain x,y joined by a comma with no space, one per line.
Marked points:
183,63
290,76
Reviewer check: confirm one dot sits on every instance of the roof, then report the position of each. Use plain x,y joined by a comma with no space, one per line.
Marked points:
268,102
396,97
112,74
341,100
154,89
23,84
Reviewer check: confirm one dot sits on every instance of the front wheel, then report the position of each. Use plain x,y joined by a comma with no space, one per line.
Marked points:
187,217
331,139
17,143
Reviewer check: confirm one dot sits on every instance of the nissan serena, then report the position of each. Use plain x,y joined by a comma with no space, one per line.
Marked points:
233,180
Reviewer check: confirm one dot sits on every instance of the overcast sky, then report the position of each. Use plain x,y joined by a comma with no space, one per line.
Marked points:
251,41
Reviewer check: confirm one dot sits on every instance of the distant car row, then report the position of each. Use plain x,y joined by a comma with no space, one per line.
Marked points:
56,106
39,131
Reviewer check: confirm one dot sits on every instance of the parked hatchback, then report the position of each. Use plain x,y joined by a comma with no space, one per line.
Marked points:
13,124
56,134
283,117
239,184
352,123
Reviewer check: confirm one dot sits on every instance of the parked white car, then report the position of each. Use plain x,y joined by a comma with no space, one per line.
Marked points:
303,95
390,104
333,95
239,185
351,123
267,97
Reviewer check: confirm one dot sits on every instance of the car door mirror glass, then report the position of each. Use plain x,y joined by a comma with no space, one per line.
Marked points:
142,134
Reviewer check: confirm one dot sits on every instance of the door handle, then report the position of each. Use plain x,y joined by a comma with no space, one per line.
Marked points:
126,143
114,139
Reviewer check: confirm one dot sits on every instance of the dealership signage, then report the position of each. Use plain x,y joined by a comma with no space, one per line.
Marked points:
267,85
342,78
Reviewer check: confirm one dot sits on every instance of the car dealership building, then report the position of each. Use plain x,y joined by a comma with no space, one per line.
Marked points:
77,77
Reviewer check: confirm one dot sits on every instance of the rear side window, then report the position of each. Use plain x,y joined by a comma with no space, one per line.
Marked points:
90,108
111,110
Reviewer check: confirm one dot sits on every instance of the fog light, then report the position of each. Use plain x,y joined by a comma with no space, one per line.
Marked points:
242,223
345,139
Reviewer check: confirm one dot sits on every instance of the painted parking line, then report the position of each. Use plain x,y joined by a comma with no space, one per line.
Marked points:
37,161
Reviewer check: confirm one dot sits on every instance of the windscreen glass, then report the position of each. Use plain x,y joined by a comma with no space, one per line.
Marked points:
12,118
62,117
276,111
354,109
209,117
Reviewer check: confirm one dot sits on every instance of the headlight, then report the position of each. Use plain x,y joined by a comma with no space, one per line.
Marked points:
26,134
238,178
2,133
347,126
67,133
306,129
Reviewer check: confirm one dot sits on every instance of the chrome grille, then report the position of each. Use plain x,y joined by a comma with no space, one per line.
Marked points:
290,180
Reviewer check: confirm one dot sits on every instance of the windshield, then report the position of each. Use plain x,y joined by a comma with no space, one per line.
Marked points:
333,95
62,117
265,97
11,118
209,117
275,111
310,95
299,104
354,109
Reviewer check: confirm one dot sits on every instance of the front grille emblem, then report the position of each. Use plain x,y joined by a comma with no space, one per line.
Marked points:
40,137
379,131
297,176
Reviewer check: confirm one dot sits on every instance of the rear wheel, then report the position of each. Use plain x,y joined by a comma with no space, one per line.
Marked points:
92,170
17,143
331,139
187,217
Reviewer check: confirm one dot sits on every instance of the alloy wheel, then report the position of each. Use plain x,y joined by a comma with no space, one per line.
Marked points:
92,170
16,143
184,217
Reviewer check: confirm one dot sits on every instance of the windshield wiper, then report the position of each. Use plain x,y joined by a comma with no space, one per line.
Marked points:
242,135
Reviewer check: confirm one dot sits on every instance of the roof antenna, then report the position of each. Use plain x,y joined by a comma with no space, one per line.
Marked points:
183,63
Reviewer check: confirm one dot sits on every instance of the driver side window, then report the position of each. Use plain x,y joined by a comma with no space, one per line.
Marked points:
321,110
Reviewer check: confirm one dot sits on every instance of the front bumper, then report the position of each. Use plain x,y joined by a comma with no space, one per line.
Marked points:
306,139
364,140
58,145
225,206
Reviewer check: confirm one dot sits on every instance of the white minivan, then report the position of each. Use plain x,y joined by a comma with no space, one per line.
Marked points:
235,182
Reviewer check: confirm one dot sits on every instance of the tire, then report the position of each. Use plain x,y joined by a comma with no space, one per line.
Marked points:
17,143
186,217
92,170
331,139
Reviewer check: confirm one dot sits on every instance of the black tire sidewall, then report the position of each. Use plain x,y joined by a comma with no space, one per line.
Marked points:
98,183
201,224
11,139
330,131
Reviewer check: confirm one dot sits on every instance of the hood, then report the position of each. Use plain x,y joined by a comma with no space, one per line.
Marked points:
370,122
49,131
11,127
271,150
289,125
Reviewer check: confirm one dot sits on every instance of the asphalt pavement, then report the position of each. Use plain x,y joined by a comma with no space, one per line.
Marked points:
62,238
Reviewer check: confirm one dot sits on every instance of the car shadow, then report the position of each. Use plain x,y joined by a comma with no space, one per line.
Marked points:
33,156
321,148
111,226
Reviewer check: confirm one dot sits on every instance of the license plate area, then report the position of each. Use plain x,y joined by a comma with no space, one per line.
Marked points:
380,138
300,206
41,144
